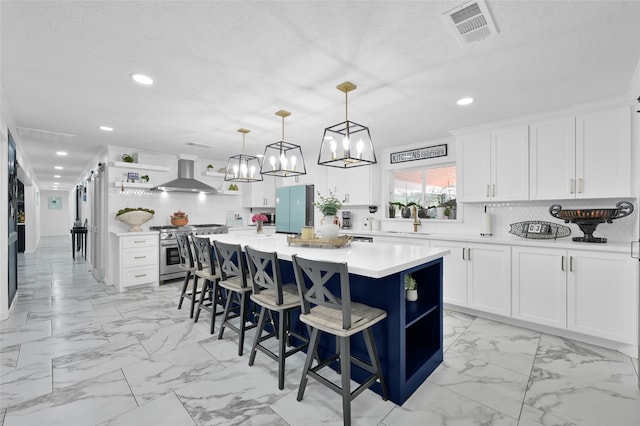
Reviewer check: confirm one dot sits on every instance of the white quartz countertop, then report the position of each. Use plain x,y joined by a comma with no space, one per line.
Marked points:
561,243
366,259
134,234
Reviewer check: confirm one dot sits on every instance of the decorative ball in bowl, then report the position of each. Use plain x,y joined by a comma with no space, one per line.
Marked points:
135,218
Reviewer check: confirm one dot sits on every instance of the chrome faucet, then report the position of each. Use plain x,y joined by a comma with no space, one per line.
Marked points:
416,220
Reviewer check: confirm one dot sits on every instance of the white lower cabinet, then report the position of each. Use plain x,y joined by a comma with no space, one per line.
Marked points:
477,276
590,292
135,259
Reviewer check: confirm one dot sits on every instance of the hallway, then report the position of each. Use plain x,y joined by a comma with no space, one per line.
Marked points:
77,352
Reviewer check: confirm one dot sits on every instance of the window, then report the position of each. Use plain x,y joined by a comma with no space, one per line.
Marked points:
427,187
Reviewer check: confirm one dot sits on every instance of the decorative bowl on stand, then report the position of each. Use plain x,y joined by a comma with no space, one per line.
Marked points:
589,219
134,219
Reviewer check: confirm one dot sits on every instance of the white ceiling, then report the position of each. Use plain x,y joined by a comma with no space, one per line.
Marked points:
221,65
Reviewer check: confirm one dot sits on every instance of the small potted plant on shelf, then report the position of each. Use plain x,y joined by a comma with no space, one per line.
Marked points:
128,158
144,178
209,167
259,219
411,287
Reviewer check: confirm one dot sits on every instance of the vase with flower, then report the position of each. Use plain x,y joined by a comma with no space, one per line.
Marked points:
329,206
259,219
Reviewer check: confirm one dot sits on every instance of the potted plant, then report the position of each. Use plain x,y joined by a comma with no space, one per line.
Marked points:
134,217
145,178
209,167
411,286
329,207
128,158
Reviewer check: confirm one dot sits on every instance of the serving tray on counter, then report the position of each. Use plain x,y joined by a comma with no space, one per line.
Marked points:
341,241
539,230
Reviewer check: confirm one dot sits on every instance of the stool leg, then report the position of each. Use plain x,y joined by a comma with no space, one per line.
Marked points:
261,321
345,366
225,316
216,292
313,347
282,348
184,288
373,355
194,292
243,322
201,299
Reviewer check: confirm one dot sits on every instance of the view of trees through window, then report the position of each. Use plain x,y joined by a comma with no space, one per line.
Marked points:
427,187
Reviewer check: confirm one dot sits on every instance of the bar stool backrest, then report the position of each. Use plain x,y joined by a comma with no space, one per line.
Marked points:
264,270
231,261
312,277
184,250
205,259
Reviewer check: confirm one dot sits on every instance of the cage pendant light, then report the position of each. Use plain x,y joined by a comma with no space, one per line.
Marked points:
282,158
347,144
243,168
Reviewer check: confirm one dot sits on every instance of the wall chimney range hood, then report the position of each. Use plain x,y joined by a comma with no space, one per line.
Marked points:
185,181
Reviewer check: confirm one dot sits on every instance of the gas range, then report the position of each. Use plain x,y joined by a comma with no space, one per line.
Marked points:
168,232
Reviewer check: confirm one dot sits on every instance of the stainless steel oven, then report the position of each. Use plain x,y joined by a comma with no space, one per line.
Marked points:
169,257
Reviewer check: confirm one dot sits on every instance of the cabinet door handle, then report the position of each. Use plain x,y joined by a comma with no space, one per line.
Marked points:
571,185
463,254
469,253
138,242
487,190
580,186
139,257
141,275
493,190
570,263
562,264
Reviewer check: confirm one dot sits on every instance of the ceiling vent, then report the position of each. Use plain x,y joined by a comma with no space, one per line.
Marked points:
470,22
200,145
45,135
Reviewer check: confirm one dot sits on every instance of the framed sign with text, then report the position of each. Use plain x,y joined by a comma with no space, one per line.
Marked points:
419,154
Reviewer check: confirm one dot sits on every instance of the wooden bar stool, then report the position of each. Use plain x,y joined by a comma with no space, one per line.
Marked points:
211,294
273,297
233,271
188,265
335,314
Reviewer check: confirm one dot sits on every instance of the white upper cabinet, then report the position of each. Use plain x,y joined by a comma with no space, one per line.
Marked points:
259,194
603,154
494,165
586,156
552,154
357,186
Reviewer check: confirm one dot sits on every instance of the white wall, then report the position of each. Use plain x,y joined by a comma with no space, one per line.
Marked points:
56,222
4,237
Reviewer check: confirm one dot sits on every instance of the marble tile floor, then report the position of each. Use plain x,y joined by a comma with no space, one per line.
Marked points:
77,352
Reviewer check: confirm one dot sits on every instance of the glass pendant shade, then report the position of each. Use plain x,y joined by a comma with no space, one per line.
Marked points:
282,158
241,167
347,144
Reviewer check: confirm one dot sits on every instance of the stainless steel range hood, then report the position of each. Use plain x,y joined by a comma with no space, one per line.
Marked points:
185,181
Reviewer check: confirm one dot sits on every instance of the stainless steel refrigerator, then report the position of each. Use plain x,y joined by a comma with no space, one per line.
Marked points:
294,208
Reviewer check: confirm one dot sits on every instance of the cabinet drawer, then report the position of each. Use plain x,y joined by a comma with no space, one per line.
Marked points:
139,256
141,241
142,275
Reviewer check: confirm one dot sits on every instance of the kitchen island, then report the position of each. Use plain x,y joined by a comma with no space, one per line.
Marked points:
409,340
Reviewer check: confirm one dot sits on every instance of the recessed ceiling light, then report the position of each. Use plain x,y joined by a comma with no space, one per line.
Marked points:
142,79
61,153
56,176
465,101
59,168
259,155
106,128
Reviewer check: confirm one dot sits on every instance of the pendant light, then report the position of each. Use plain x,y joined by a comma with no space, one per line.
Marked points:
243,168
282,158
346,144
